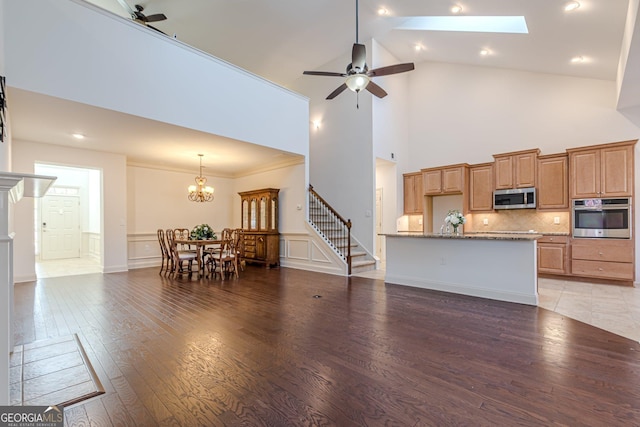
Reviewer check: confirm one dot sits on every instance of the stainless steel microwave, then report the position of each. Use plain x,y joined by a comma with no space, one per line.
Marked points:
602,218
517,198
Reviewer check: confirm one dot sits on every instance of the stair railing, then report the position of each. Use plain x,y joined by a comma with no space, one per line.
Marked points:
331,225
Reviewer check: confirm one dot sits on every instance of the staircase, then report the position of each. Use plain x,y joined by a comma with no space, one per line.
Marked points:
337,233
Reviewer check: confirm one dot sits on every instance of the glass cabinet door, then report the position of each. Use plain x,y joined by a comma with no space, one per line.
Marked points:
245,214
263,213
274,215
252,214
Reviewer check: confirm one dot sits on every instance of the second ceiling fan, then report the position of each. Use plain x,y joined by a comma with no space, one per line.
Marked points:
140,17
358,75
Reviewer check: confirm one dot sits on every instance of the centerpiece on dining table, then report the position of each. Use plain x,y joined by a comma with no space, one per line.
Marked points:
203,232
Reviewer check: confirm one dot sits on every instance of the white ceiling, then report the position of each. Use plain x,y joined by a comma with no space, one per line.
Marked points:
280,39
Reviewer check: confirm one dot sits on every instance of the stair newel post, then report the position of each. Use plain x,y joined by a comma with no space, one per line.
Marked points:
349,245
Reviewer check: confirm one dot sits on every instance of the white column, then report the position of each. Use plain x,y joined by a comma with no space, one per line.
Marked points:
7,184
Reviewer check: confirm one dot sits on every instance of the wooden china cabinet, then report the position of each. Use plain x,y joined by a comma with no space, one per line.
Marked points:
259,218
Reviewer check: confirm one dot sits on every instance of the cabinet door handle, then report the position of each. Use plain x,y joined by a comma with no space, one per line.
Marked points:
600,253
551,239
600,269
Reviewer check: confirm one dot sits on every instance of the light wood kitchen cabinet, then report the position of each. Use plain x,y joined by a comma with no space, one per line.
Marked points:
413,193
602,170
611,259
444,180
259,219
553,191
553,255
516,169
481,187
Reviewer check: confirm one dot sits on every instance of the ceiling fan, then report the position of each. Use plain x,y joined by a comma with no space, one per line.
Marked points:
358,75
140,17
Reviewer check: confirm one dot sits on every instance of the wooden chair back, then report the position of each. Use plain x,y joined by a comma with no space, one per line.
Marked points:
166,256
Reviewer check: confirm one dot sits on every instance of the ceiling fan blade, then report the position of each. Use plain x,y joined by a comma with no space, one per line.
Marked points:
156,17
338,91
391,69
154,28
358,57
324,73
376,90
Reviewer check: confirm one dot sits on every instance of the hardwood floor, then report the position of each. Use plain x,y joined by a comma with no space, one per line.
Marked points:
262,350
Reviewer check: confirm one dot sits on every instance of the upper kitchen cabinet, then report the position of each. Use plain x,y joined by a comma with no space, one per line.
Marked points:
413,194
516,170
602,170
444,180
553,173
481,187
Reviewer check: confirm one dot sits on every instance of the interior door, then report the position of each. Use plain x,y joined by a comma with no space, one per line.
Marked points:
380,249
60,227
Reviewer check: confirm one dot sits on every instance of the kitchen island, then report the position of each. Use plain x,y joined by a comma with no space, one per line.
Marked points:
488,265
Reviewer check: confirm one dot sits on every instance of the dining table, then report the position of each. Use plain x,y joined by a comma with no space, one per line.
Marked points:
200,244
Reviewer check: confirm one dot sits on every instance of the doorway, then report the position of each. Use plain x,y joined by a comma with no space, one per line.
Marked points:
68,222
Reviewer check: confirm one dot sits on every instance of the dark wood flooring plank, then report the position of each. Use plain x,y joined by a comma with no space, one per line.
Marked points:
262,351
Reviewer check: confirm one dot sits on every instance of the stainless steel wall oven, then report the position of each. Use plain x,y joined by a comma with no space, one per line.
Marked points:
602,218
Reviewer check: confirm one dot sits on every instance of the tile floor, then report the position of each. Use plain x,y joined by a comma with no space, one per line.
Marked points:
52,372
67,267
612,308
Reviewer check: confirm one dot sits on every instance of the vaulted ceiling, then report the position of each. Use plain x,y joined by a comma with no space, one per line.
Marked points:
278,40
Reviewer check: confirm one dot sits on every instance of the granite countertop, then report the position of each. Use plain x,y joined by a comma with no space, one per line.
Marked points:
479,236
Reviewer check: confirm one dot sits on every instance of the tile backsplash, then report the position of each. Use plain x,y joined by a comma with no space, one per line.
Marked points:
519,220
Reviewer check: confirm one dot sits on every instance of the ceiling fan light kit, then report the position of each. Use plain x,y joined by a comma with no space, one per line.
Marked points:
357,82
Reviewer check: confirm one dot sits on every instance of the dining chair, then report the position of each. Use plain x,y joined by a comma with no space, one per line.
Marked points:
240,248
230,254
164,250
179,257
226,234
183,234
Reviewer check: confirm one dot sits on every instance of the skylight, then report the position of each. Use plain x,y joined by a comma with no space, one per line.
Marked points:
476,24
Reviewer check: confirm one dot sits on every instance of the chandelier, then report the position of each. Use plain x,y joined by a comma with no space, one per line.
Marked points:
200,192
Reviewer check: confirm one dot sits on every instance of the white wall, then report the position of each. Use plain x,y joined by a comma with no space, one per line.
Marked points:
291,182
158,199
466,114
390,137
74,50
341,167
114,202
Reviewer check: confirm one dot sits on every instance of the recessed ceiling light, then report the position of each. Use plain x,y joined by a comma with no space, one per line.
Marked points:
77,135
485,52
572,5
577,59
418,47
456,8
382,11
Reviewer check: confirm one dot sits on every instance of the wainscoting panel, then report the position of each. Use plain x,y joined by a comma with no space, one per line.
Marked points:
143,250
308,251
